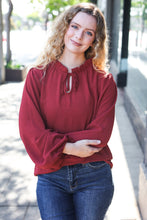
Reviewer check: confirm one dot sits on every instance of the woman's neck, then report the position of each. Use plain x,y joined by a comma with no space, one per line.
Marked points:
72,60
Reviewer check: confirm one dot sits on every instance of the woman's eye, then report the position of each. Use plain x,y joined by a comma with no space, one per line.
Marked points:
89,33
74,26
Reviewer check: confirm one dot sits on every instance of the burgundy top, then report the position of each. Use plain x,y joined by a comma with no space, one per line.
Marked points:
51,114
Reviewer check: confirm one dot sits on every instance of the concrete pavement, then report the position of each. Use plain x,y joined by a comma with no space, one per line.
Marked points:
18,185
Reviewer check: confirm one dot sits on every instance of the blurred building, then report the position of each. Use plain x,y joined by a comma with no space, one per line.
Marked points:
127,28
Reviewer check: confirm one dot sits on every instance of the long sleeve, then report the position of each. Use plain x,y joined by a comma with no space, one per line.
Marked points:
44,146
100,127
50,117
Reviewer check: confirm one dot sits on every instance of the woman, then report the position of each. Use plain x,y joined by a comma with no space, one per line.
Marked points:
66,118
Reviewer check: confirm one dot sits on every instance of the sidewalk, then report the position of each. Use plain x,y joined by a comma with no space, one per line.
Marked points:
17,183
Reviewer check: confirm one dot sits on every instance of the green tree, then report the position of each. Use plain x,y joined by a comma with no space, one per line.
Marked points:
141,6
140,11
53,8
16,22
144,15
34,18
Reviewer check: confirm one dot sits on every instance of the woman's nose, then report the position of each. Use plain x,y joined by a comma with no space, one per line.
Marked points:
79,34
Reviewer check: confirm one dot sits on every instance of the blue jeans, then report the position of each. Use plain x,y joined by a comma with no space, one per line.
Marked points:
78,192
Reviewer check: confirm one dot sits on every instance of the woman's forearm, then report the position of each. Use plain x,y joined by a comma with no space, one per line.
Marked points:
82,148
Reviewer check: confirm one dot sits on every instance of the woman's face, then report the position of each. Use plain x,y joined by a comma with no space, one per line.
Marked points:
80,33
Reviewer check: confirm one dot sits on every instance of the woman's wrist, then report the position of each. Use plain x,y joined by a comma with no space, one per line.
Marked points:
68,148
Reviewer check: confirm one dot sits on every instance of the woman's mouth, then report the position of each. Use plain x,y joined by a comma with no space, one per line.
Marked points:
75,43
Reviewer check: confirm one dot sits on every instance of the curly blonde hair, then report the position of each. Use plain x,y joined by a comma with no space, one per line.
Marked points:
55,44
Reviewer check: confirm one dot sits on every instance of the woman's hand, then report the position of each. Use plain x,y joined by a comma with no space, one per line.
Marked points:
82,148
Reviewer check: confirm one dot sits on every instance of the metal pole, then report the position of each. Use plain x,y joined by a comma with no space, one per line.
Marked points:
115,29
122,76
2,71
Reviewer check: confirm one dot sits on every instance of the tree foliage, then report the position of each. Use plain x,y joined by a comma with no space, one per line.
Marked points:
142,5
34,17
54,7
